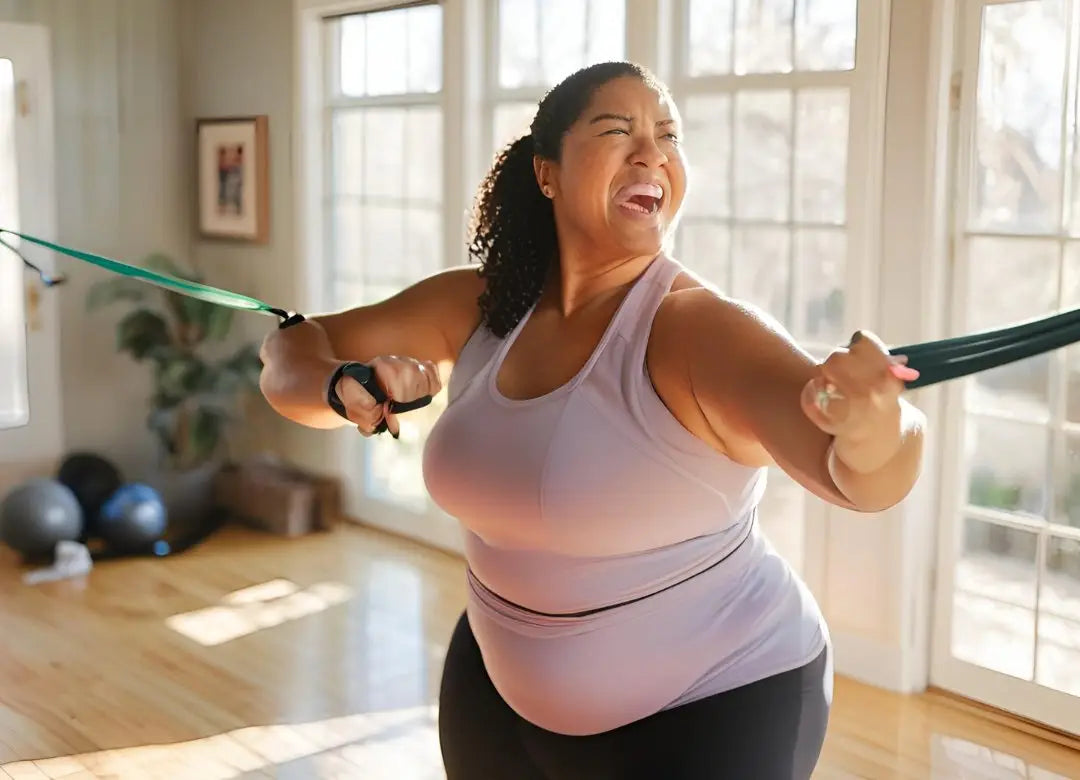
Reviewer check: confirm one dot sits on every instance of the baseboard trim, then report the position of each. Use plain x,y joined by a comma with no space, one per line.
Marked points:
1003,717
444,540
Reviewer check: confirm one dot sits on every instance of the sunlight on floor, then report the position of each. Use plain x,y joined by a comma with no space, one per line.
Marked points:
252,609
400,744
953,757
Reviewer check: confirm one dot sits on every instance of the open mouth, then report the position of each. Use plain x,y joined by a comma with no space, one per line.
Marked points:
641,198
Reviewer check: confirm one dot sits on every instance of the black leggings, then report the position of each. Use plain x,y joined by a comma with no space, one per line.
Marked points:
769,730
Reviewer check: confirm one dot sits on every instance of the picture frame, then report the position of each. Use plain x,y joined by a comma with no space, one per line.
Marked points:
233,171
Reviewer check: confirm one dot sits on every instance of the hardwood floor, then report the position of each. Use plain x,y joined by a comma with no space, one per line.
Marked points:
253,656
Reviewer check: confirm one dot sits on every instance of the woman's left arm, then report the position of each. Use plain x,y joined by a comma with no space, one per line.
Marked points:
860,449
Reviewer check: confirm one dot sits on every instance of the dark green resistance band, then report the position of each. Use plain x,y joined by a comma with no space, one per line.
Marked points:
936,361
203,292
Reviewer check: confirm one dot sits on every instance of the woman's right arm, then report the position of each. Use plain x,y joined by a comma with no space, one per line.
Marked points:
426,323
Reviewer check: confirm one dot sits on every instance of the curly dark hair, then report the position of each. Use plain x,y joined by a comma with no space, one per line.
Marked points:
512,232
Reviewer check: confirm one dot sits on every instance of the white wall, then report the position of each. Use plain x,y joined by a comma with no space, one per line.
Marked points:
130,77
237,59
119,183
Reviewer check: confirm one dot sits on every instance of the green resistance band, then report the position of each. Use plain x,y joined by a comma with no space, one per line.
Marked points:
203,292
936,361
198,290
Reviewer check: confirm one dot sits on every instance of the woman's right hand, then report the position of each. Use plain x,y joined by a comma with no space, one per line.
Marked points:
402,379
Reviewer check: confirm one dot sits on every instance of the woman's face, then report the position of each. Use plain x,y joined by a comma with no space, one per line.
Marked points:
621,180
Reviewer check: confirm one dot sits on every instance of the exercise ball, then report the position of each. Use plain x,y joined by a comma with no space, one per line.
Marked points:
39,513
92,479
132,518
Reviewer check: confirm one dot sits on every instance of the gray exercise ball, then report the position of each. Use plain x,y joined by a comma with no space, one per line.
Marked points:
39,513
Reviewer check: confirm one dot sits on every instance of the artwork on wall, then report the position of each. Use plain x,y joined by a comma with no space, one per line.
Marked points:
233,178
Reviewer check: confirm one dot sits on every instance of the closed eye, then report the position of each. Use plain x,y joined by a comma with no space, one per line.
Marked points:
670,136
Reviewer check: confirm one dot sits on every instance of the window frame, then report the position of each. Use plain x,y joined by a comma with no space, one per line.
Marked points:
336,103
865,82
862,224
495,95
959,417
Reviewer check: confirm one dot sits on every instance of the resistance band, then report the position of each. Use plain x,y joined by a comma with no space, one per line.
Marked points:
936,361
204,292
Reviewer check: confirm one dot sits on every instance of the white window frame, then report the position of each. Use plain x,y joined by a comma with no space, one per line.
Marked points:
459,100
865,83
494,94
35,444
865,152
1028,699
338,102
312,130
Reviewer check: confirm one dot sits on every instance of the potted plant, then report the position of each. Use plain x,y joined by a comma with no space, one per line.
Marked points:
199,383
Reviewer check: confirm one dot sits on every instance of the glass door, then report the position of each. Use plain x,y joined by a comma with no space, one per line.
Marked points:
1008,588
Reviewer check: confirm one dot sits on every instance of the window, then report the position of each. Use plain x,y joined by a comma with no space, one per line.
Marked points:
765,89
385,176
14,401
384,191
541,42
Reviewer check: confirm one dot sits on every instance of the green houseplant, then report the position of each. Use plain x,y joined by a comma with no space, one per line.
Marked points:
199,383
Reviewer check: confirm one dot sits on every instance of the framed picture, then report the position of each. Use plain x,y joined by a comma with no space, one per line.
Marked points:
233,178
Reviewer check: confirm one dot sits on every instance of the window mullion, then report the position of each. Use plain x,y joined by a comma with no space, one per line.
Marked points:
649,28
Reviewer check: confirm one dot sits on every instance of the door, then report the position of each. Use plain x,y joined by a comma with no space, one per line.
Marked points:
30,392
1007,626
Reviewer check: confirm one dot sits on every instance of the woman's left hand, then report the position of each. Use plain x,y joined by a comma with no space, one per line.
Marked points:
856,398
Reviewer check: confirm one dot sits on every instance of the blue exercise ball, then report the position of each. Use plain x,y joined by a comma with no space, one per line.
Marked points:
39,513
133,518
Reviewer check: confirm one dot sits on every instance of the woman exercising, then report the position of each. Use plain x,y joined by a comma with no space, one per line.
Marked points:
610,419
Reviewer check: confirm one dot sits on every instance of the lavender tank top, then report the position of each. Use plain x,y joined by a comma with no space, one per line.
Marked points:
616,567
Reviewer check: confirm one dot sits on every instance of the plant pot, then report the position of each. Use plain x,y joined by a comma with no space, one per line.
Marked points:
188,494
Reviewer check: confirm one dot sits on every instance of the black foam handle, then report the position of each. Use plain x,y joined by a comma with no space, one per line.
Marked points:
365,375
288,320
362,373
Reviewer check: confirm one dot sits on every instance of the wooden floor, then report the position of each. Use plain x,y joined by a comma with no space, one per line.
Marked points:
258,657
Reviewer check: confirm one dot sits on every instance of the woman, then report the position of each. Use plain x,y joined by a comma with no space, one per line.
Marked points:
609,424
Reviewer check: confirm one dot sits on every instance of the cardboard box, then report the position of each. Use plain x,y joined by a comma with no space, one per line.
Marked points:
273,495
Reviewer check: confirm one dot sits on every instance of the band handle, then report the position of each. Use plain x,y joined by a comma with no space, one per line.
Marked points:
363,374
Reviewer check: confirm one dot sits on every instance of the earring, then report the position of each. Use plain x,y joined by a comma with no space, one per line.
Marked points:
547,191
